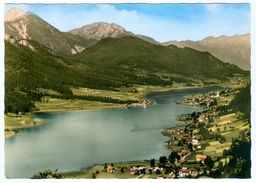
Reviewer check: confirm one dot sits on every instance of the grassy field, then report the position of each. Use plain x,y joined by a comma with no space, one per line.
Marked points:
122,94
19,121
62,105
13,122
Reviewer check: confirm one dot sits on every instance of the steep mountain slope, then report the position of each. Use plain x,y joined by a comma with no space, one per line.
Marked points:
235,49
28,26
135,57
101,30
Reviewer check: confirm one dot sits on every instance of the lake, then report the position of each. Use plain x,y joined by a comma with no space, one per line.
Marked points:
72,141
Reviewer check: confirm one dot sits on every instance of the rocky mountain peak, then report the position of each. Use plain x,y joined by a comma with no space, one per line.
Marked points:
13,14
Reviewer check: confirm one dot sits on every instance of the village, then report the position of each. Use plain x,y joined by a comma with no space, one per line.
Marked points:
202,143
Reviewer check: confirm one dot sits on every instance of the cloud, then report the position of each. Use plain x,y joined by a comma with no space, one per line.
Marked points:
213,8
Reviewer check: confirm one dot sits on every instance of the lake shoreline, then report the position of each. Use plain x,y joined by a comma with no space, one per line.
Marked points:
92,105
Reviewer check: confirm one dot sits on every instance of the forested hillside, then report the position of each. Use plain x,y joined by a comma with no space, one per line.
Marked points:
110,64
129,57
242,102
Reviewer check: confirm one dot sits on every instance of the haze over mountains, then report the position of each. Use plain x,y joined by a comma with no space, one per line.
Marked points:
234,49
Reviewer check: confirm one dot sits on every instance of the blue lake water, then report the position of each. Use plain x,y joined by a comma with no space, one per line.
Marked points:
75,140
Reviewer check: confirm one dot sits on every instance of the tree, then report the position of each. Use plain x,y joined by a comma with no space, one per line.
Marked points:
47,174
190,146
209,162
240,152
184,141
218,130
93,175
186,130
152,162
180,143
158,171
163,159
215,173
240,149
122,169
173,156
176,170
105,166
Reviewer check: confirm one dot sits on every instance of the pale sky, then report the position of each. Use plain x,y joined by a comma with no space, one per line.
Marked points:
163,21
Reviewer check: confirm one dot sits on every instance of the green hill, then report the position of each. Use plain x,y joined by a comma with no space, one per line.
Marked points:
129,57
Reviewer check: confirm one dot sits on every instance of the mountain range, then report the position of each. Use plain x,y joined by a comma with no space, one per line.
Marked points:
20,25
233,49
99,56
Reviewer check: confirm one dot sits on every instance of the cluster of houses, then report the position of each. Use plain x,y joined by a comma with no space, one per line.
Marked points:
141,170
188,172
142,103
185,138
184,172
206,100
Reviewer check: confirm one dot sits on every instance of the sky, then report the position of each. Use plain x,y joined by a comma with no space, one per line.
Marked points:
162,22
